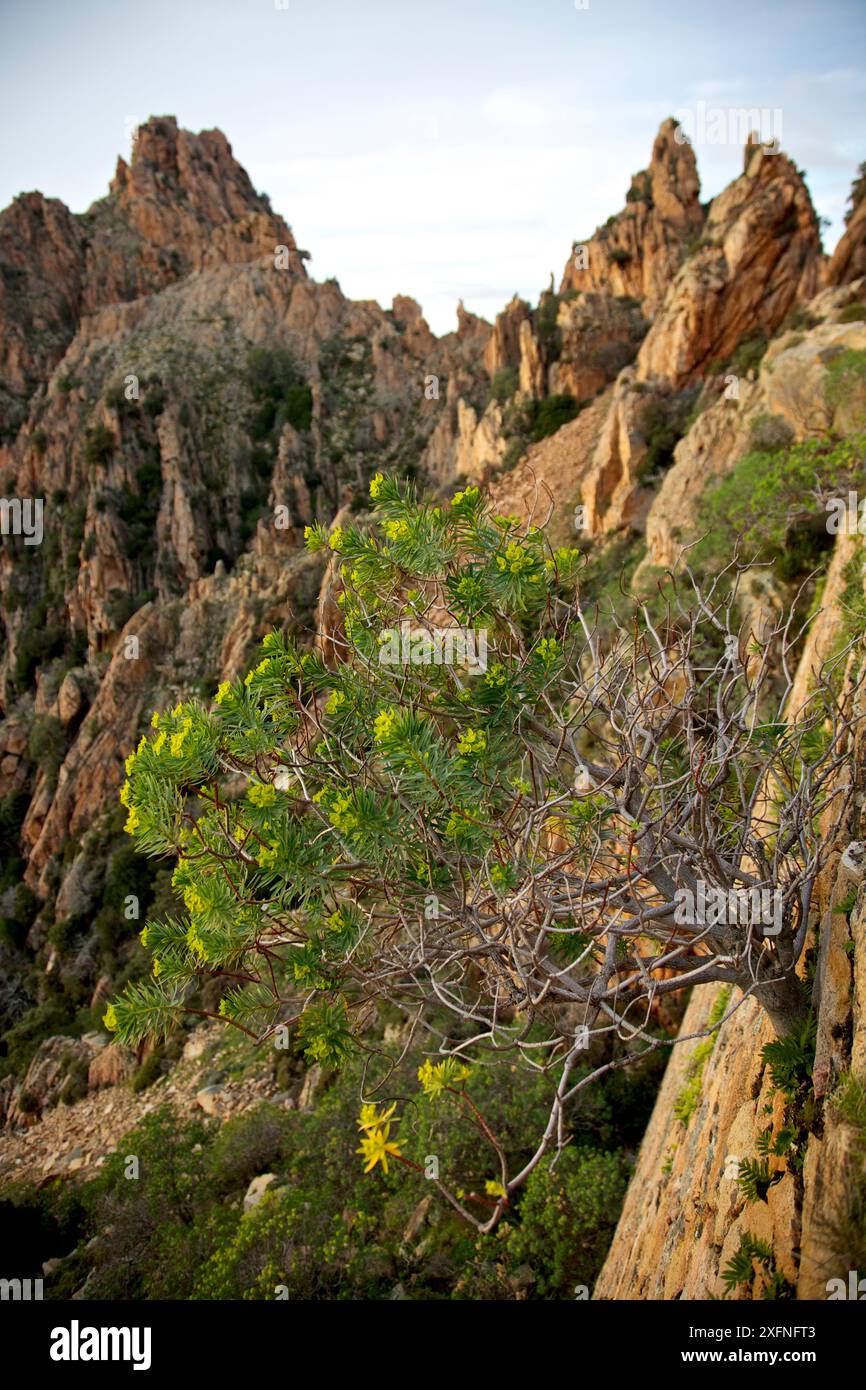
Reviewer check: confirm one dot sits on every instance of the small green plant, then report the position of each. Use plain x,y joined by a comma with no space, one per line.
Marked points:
99,445
504,384
687,1101
741,1271
790,1058
755,1179
749,354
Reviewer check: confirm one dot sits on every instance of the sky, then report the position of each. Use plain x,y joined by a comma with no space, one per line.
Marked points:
449,150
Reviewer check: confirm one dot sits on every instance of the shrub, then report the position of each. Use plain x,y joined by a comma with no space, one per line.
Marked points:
770,432
504,384
99,445
405,813
664,420
19,906
568,1214
246,1145
47,745
552,413
749,354
767,500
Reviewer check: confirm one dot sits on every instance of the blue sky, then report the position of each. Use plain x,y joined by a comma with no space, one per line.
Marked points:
442,150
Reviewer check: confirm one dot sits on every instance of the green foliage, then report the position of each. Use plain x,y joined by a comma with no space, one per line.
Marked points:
443,765
749,353
54,1015
279,391
853,313
769,433
547,328
740,1270
18,906
552,413
844,1222
568,1214
664,420
99,445
690,1093
177,1230
39,642
149,1071
47,745
767,499
504,384
845,385
139,508
790,1058
755,1178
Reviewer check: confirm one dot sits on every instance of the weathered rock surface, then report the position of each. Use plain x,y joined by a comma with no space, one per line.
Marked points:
638,252
685,1213
759,256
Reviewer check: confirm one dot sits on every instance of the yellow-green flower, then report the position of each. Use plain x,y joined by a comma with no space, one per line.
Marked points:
371,1119
383,724
336,701
262,794
469,494
435,1077
131,760
109,1019
376,1147
335,540
224,690
548,649
396,530
376,484
154,719
472,741
494,1189
515,560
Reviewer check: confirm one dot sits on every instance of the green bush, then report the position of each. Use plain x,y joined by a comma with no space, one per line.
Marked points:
770,432
766,499
19,908
279,391
504,384
46,745
749,353
664,420
99,445
552,413
853,313
568,1215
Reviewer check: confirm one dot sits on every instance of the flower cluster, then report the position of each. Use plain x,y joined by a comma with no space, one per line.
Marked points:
376,1144
436,1077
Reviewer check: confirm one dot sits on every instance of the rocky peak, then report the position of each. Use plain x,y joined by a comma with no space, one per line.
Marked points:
848,262
41,266
170,164
638,251
759,256
182,204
